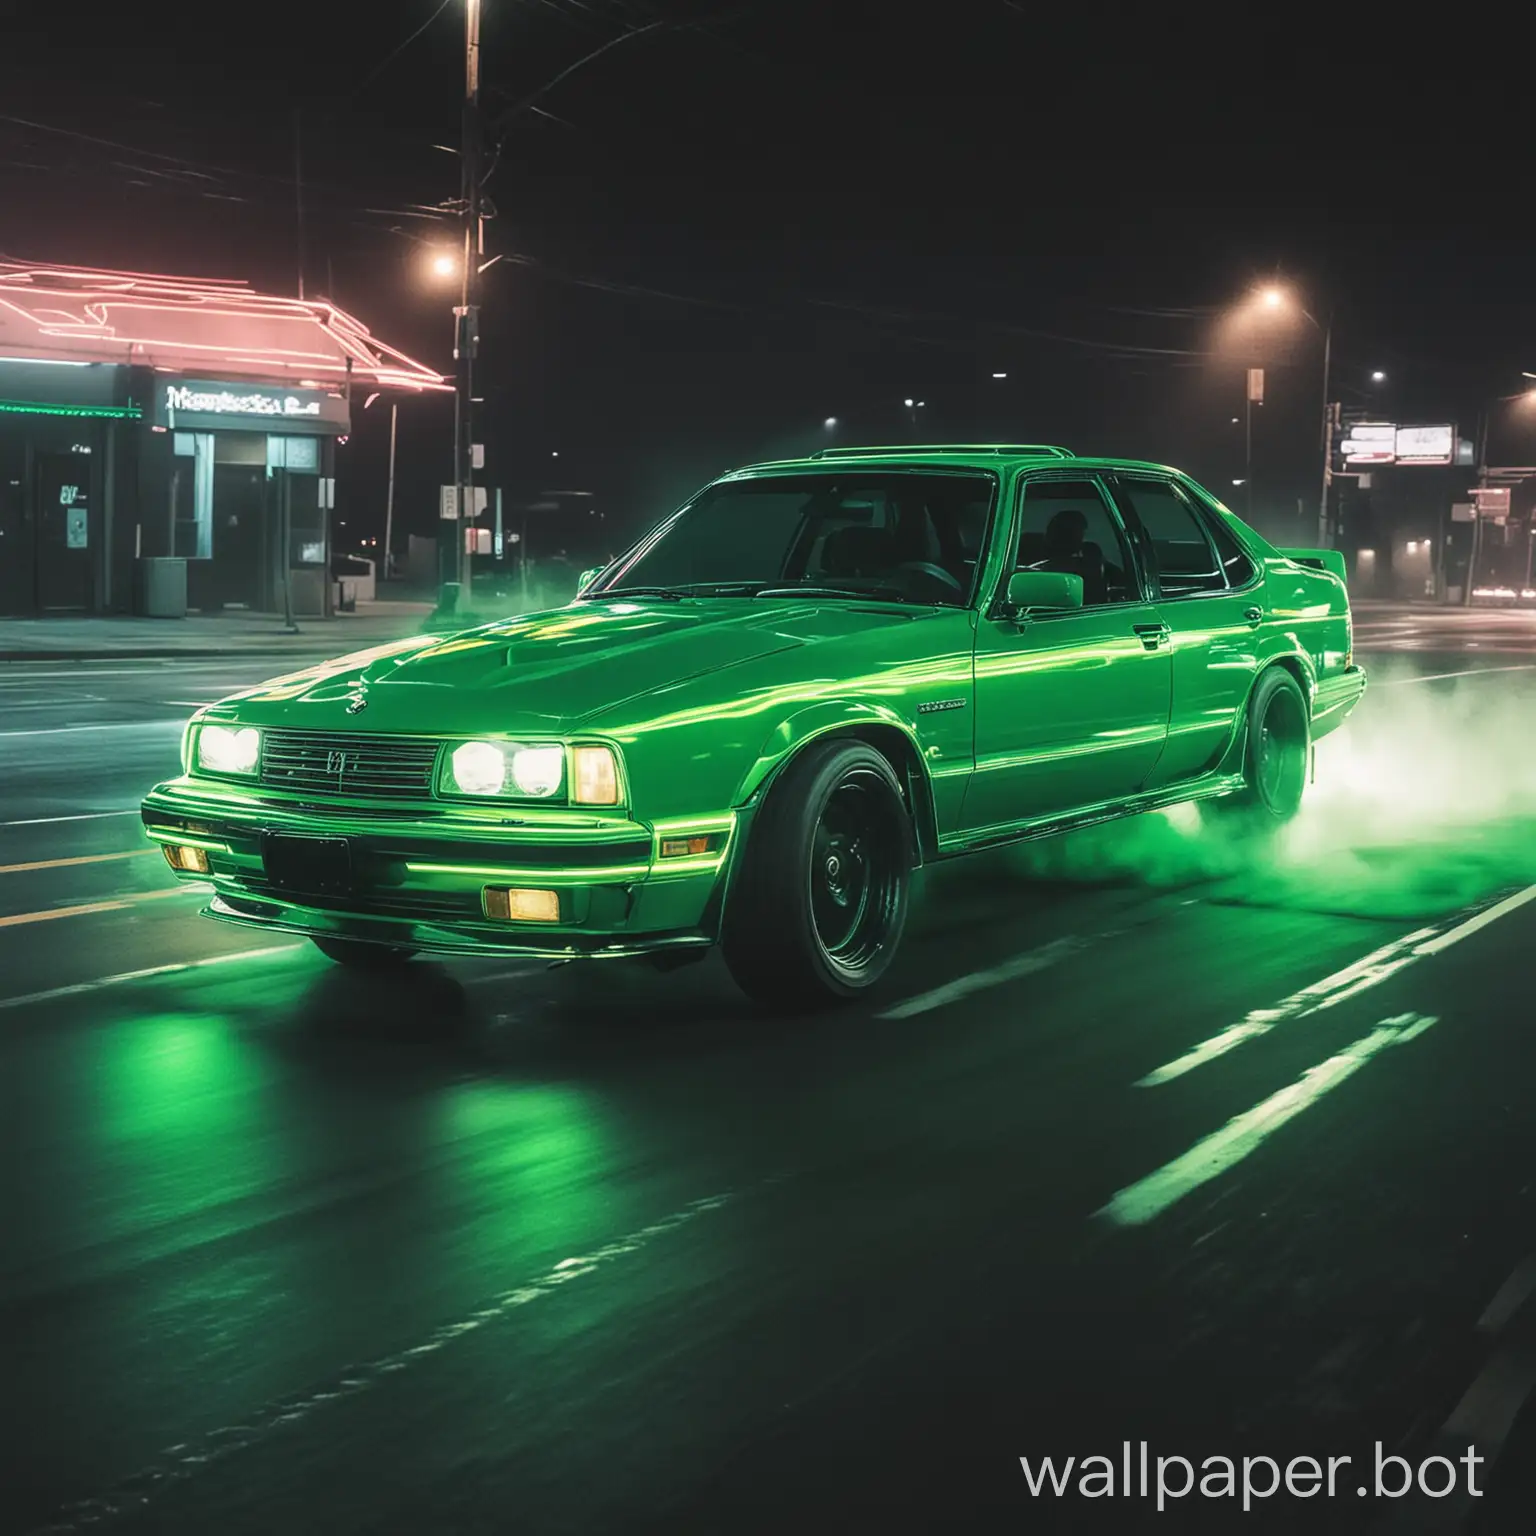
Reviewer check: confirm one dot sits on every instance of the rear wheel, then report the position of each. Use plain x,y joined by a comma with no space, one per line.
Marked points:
1276,755
358,956
819,907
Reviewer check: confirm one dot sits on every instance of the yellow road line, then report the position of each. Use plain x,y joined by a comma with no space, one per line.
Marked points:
119,905
84,858
43,917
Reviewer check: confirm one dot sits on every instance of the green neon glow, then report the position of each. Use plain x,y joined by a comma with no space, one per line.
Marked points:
699,826
1148,1198
103,412
534,876
698,865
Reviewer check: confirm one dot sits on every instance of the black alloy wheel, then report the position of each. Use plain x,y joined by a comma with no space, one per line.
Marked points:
817,910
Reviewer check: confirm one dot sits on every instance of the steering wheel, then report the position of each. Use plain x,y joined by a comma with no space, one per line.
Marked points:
928,568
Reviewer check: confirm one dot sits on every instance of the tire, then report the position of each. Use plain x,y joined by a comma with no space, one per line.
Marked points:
358,956
1277,751
817,912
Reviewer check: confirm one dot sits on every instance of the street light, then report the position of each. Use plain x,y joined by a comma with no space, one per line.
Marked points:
444,265
1277,298
830,423
1378,377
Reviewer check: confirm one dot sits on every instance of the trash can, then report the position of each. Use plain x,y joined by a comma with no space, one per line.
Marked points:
346,594
162,588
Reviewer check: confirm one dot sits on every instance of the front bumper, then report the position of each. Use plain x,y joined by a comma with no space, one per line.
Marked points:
419,873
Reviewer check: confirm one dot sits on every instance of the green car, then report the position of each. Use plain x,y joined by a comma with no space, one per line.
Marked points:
751,728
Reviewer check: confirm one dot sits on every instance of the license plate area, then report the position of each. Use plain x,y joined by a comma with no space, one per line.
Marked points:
309,866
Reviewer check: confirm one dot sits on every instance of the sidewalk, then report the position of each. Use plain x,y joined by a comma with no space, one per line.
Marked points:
205,635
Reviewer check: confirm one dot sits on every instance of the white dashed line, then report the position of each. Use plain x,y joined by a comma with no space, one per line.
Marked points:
178,1463
78,988
1342,985
1244,1134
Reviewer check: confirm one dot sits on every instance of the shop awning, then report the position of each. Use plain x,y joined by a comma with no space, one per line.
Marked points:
200,326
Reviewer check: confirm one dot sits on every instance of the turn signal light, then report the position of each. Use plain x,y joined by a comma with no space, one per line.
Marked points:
685,847
597,777
192,861
517,906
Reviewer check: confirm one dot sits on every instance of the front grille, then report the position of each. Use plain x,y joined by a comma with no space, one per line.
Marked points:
424,906
339,763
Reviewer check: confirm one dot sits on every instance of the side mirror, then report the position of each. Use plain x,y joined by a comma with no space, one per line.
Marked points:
586,579
1031,590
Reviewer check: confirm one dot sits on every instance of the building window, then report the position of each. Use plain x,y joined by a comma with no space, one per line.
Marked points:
192,497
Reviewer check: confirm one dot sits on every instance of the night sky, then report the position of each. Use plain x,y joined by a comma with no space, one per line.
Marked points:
747,218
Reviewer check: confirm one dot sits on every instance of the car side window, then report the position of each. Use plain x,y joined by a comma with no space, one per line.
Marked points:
1234,559
1067,526
1179,545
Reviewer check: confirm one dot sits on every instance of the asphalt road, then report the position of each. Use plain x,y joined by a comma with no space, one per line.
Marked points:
1149,1138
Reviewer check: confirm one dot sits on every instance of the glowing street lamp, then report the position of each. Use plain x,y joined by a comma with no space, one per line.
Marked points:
1276,298
444,264
1378,377
830,423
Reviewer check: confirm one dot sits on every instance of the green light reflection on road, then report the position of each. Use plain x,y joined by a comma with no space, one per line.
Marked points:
533,1161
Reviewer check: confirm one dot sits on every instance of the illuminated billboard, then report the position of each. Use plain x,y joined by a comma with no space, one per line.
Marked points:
1385,442
1426,445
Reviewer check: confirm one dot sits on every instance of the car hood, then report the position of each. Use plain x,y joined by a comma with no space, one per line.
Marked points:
547,672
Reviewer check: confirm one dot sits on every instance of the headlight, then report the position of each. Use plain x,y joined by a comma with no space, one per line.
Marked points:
491,768
538,770
479,768
597,777
228,749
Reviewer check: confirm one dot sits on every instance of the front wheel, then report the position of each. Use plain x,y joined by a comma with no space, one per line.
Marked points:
358,956
820,904
1276,754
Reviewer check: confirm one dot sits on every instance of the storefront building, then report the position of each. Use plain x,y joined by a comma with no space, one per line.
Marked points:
151,418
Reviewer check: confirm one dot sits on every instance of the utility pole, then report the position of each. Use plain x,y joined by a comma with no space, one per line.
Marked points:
1329,424
298,189
454,560
389,500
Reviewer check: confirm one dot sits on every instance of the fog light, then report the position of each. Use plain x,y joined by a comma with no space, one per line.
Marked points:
192,861
516,906
686,847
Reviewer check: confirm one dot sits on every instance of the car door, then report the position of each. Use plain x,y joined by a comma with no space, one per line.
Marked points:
1210,595
1071,707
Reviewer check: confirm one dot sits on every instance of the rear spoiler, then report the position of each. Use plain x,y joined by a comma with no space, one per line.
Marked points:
1331,560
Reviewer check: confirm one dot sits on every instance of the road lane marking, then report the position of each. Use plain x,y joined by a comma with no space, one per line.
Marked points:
1027,964
1244,1134
177,1463
1354,979
976,981
118,904
119,725
43,821
1440,677
78,988
81,858
1313,998
1511,1296
49,913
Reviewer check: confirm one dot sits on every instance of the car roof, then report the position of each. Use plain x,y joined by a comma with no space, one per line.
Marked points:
991,456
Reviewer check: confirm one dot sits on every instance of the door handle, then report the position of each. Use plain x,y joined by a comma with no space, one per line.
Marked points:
1152,635
1253,616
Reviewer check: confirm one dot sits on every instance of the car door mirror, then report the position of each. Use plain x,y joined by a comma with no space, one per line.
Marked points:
1037,591
586,579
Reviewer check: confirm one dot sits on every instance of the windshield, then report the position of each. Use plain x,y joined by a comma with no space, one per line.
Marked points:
900,535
